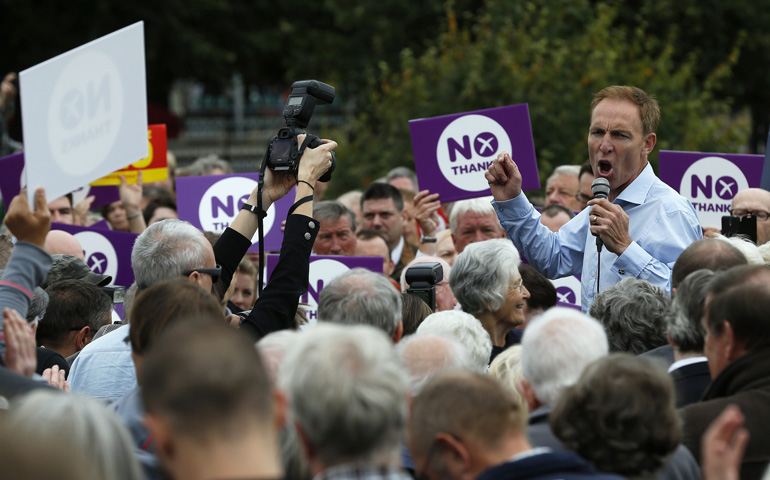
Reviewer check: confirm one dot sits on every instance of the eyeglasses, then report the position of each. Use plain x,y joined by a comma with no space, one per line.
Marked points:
520,286
583,198
214,272
440,286
760,214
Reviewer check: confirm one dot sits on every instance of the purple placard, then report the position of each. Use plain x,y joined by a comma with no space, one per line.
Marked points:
568,291
12,168
324,269
106,252
710,180
212,202
100,225
452,152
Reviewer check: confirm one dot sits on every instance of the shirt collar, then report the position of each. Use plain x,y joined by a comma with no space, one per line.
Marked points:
686,361
395,255
637,191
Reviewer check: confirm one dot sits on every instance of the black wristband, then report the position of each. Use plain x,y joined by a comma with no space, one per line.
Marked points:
254,210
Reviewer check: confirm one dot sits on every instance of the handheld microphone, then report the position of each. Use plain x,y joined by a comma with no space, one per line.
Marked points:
601,189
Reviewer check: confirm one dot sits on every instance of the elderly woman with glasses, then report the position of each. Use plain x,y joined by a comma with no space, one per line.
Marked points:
486,281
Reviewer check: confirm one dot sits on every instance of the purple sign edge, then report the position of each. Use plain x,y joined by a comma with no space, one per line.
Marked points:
188,211
672,165
272,260
522,143
124,273
103,195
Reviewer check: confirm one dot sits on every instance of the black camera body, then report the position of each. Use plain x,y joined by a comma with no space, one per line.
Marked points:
422,279
745,227
283,152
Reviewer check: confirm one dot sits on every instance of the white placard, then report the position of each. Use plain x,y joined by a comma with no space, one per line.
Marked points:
84,113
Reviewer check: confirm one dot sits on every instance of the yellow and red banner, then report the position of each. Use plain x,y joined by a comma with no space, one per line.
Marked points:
154,168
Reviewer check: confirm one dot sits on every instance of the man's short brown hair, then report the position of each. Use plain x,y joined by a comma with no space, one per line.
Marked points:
207,381
649,111
466,405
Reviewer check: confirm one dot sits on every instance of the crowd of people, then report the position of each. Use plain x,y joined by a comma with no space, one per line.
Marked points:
665,373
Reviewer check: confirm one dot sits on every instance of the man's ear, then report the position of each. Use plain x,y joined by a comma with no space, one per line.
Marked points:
526,391
649,143
398,333
455,456
732,348
161,436
83,337
280,404
391,268
195,277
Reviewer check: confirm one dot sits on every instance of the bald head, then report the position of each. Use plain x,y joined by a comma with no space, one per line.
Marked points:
59,241
754,200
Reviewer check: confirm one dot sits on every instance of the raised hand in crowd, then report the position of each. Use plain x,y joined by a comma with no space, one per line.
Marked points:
426,206
131,197
56,378
723,445
25,224
504,178
20,354
80,211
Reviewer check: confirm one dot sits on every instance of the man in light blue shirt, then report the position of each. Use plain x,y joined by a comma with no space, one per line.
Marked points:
644,225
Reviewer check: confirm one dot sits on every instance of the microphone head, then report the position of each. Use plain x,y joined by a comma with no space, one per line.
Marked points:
601,188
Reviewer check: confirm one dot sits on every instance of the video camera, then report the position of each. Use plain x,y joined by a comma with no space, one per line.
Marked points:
422,279
283,153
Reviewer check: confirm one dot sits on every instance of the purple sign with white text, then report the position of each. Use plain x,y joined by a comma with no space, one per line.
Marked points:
212,202
452,152
12,179
324,269
710,180
106,252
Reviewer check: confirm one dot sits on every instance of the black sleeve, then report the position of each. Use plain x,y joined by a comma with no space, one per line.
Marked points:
228,252
48,358
276,307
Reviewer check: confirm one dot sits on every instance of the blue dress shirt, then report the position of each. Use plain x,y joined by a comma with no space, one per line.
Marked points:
661,224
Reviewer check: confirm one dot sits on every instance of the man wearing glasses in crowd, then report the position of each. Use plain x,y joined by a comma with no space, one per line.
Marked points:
754,202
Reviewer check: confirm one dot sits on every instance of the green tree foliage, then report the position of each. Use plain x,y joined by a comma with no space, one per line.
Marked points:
553,55
712,29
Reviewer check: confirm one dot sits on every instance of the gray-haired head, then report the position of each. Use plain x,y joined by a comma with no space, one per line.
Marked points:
425,356
331,211
207,164
88,425
166,249
361,297
482,274
481,206
685,311
38,305
567,170
464,328
6,247
347,392
403,172
556,347
273,347
632,312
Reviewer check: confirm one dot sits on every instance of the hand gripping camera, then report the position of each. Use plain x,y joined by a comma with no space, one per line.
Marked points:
283,153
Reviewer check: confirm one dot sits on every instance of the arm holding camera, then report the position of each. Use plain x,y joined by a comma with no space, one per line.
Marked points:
276,307
236,239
